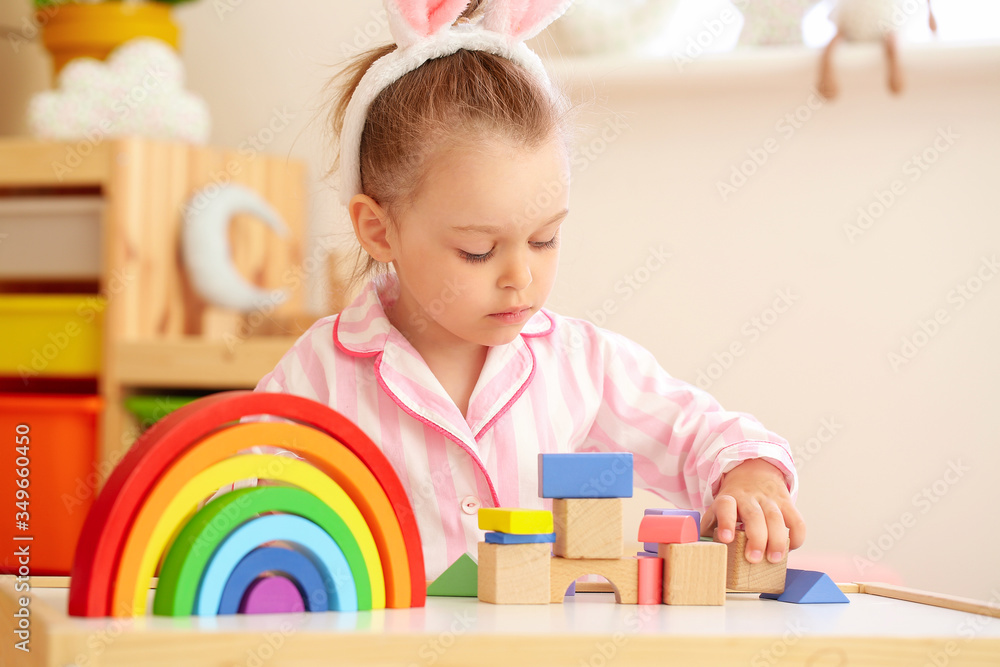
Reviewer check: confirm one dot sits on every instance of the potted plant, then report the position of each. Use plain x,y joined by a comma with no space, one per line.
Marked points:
93,29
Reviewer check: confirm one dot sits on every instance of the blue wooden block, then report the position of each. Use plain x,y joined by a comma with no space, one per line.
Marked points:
654,548
589,475
513,538
807,587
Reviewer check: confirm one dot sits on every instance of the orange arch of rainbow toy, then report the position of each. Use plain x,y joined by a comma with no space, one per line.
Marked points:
110,521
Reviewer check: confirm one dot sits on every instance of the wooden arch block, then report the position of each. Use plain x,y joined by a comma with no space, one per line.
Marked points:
621,573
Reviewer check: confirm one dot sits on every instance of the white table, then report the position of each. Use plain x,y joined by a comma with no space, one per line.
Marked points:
588,630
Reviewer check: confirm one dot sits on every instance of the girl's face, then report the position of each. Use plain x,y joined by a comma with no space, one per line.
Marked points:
476,251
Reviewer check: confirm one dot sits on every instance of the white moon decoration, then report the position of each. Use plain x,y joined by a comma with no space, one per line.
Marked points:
206,251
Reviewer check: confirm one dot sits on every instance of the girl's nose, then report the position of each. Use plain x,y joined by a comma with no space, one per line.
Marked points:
516,274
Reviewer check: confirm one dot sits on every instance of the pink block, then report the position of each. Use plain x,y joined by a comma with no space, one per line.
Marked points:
650,580
272,595
668,529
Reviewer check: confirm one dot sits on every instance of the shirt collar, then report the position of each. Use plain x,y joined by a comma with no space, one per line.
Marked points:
363,330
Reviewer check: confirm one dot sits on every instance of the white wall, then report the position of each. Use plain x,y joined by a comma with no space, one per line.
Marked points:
824,360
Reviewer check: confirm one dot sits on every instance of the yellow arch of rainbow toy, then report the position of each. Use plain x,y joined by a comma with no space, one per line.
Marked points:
133,588
327,453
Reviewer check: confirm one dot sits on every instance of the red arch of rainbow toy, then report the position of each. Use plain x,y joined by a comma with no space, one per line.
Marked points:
106,528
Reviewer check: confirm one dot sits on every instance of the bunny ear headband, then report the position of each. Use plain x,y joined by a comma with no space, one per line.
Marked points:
424,30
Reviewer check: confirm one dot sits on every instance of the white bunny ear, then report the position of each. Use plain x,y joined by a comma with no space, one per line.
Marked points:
411,21
522,19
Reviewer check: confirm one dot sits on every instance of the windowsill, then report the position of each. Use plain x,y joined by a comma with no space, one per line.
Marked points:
757,66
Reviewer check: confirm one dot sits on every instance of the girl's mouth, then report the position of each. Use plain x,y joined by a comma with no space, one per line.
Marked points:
514,316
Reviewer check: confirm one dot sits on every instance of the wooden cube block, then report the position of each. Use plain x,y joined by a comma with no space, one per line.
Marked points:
622,573
514,573
694,573
761,577
588,527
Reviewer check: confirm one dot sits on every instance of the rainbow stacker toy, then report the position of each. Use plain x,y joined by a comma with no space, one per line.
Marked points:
330,530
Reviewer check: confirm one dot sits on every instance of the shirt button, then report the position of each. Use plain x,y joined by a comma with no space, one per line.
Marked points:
470,504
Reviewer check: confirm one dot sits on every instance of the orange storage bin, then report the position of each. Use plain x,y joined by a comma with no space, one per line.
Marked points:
61,434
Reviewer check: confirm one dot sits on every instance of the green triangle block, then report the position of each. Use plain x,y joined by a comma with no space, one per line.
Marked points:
460,580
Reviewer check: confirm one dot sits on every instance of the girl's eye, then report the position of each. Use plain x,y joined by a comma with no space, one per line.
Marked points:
548,245
471,257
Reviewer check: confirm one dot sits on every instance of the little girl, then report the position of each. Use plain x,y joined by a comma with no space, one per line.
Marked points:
454,165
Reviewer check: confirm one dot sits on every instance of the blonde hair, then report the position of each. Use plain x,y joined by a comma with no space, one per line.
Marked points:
461,99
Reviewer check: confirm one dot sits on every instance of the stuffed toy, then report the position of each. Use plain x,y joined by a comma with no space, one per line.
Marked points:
869,21
139,90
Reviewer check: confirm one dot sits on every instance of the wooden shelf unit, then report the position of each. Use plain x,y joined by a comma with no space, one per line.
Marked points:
156,331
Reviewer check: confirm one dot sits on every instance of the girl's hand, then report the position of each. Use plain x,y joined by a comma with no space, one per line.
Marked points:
754,492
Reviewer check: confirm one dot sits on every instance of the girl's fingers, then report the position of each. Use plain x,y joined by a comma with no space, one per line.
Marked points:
724,508
756,527
796,526
777,532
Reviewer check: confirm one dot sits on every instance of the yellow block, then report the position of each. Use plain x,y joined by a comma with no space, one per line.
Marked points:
518,521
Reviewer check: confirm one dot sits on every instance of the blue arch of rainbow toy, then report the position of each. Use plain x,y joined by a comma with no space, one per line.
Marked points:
316,544
275,561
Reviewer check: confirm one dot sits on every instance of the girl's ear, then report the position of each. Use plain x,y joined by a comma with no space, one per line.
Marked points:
522,19
413,20
371,226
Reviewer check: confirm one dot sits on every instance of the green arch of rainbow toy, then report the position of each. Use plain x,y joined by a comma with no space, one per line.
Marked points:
178,587
132,523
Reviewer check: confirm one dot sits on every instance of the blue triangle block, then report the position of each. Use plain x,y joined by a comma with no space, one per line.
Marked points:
807,587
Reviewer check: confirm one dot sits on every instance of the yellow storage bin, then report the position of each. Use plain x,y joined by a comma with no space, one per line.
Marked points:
46,335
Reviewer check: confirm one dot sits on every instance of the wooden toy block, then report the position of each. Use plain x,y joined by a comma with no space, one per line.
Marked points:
511,538
760,577
518,521
461,579
585,475
622,573
808,587
588,527
514,573
652,546
694,573
650,580
666,529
